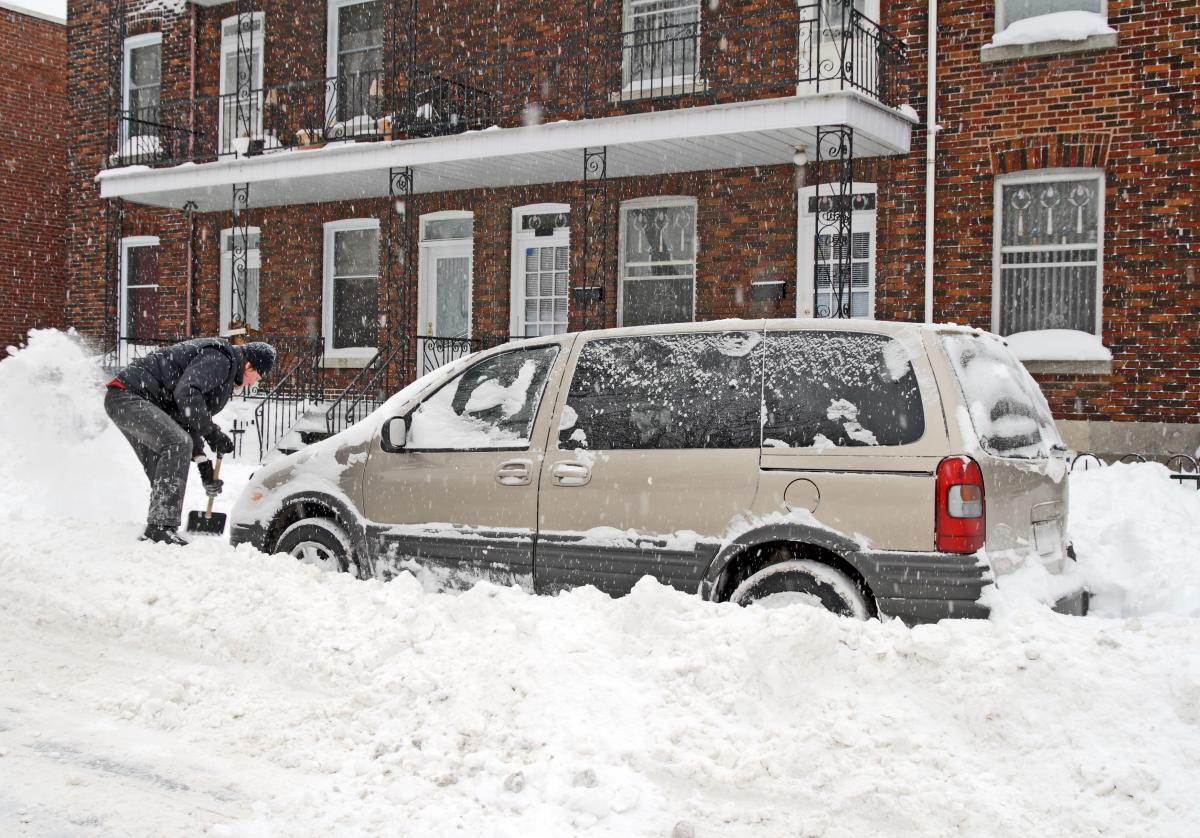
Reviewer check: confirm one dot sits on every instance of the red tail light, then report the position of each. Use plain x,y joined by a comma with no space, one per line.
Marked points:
959,505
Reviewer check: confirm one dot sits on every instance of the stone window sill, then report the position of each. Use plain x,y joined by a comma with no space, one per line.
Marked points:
1069,367
346,362
1011,52
656,90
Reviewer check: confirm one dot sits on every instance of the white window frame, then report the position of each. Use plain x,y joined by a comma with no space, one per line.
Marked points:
253,261
229,45
660,86
332,228
806,230
1046,176
127,244
131,43
1002,23
655,201
521,239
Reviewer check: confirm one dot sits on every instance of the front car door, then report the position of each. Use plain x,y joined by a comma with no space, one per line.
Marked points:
459,502
654,457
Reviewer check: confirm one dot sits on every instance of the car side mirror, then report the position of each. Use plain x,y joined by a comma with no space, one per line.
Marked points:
394,435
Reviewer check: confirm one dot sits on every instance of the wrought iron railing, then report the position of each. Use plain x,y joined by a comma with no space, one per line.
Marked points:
727,55
1184,468
300,387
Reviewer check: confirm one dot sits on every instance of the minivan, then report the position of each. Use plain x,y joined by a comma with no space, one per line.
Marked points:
870,468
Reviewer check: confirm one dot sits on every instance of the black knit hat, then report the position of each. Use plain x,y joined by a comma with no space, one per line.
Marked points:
261,356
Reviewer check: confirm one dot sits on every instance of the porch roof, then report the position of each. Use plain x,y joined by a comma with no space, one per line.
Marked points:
755,133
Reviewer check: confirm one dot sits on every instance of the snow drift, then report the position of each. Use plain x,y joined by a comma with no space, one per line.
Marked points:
152,690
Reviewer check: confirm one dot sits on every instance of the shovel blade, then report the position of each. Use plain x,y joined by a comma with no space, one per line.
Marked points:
201,524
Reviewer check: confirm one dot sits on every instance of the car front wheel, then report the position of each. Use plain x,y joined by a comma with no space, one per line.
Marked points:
806,582
318,542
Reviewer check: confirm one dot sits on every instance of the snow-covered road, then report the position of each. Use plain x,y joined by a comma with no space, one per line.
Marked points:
149,690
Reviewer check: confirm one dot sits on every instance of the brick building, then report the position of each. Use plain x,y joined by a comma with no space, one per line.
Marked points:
33,165
380,185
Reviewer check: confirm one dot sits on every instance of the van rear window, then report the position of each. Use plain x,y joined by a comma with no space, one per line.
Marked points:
1007,408
839,389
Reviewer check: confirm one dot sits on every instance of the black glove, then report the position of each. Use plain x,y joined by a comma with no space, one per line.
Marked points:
220,443
212,487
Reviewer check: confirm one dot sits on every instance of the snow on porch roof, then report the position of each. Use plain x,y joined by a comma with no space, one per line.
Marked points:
756,133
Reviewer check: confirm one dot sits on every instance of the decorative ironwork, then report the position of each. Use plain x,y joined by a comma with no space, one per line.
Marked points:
240,247
596,214
832,241
244,109
399,270
114,231
1184,468
298,390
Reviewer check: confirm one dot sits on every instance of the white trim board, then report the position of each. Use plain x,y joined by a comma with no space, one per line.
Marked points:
757,133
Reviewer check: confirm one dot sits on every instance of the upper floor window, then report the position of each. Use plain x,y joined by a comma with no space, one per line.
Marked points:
142,84
660,45
355,59
1049,251
1009,12
658,261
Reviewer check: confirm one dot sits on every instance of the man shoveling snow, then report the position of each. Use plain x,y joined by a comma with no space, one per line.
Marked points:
164,404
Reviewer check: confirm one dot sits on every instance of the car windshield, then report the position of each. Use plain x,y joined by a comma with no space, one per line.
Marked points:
1007,408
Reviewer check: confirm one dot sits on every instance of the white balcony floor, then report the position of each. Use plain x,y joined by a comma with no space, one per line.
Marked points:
757,133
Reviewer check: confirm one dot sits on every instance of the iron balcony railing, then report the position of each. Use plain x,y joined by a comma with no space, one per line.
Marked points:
299,388
725,55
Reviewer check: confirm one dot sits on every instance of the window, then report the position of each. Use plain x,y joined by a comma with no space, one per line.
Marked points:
541,270
838,389
658,261
490,406
239,305
142,93
819,255
665,392
235,64
1010,11
660,45
139,288
1048,254
351,285
356,62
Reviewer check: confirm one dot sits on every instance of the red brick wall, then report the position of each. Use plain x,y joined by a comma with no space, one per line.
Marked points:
32,173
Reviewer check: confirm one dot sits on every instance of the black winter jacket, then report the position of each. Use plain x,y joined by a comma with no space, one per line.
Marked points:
191,381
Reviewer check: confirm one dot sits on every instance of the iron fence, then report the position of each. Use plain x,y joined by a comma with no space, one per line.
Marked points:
1183,468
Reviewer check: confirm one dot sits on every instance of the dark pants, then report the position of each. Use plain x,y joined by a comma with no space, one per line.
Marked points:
162,446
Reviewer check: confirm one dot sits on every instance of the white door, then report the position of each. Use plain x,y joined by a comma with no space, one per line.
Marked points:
541,260
444,302
229,128
818,255
826,32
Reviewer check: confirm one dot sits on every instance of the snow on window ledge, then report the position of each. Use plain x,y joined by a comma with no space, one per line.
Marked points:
1051,34
1062,351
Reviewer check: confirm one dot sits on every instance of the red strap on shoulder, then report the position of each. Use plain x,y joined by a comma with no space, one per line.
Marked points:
117,384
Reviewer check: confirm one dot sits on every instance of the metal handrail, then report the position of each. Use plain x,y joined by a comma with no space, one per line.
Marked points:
336,413
287,401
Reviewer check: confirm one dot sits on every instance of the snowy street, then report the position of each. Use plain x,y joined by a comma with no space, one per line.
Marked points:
149,690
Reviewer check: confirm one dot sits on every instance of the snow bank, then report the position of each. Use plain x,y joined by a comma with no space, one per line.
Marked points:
1058,345
1057,26
1137,535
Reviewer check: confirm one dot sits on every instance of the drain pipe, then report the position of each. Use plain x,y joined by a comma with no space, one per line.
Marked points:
190,207
931,129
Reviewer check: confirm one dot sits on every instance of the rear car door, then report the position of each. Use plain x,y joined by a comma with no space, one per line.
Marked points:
654,455
460,499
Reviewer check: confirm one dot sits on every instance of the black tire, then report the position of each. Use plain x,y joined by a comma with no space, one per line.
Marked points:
803,581
319,542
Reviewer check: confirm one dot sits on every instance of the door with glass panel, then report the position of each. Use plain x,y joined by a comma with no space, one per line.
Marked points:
835,42
660,46
139,303
541,270
240,113
355,68
822,290
141,129
444,289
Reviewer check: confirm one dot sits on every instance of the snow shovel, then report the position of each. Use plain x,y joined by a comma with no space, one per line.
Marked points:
208,522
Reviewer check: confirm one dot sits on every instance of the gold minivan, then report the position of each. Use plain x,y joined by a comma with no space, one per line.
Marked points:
866,467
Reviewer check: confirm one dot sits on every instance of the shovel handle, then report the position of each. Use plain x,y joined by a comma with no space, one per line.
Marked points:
216,476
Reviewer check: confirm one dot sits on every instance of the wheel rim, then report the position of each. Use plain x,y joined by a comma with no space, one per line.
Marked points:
316,554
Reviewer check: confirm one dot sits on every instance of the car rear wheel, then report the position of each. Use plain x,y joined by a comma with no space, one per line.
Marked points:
318,542
806,582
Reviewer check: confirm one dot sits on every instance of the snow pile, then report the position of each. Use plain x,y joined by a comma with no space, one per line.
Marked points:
1137,535
1057,26
1058,345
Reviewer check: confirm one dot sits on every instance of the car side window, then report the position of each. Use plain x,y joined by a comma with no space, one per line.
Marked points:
839,389
697,390
490,406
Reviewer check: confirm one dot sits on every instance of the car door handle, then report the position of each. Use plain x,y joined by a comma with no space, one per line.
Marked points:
514,473
571,474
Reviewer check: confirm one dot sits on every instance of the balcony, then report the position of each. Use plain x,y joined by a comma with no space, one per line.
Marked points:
733,89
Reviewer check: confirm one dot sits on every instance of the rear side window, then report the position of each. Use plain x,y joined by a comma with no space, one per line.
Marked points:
839,389
665,391
1007,408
